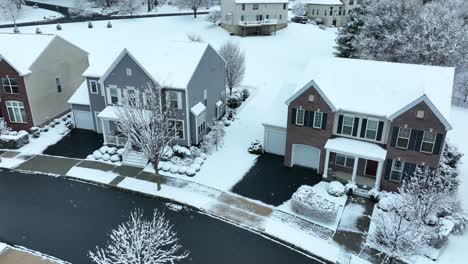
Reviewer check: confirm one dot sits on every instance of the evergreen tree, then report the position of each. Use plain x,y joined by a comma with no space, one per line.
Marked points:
346,34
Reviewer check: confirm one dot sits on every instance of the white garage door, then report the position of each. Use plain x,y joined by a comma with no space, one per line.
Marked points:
306,156
275,140
83,119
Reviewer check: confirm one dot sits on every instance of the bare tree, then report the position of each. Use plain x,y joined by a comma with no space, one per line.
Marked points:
81,8
129,6
140,241
148,125
4,129
235,64
194,5
10,10
462,85
214,16
299,9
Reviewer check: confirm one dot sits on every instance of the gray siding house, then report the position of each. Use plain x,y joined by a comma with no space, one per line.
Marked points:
191,74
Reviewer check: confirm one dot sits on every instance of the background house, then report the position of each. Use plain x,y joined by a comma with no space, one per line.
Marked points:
246,17
365,122
38,74
330,12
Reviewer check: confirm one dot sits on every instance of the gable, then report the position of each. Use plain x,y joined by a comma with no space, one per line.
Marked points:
303,100
7,69
311,87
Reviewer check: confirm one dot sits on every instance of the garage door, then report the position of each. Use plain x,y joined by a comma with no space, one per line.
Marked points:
306,156
275,140
83,119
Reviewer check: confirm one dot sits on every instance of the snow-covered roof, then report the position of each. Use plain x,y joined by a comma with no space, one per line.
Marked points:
322,2
278,108
261,1
22,50
379,88
198,109
81,95
354,147
170,63
111,112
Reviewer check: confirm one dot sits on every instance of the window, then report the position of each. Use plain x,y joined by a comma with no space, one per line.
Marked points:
421,170
339,11
205,96
10,86
344,161
280,16
16,112
428,142
348,123
300,117
255,6
311,97
243,6
173,100
420,114
178,127
371,129
94,87
132,97
325,12
242,18
284,6
201,122
129,71
351,2
331,10
114,95
267,17
403,138
397,170
58,84
313,11
318,116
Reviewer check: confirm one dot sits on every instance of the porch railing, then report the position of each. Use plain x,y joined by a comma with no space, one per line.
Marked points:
126,150
115,140
259,22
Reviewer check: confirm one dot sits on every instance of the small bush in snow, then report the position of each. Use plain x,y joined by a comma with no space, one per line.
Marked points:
90,157
16,30
97,154
69,124
335,189
182,170
106,157
115,158
214,16
203,156
38,31
90,25
256,148
308,202
52,124
234,100
245,94
174,169
64,118
350,187
322,27
227,122
59,27
104,149
45,128
190,171
112,150
166,166
199,161
374,194
120,151
194,37
196,167
182,152
109,25
57,121
36,132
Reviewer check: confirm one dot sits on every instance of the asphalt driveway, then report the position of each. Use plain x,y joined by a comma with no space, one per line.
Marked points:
79,143
273,183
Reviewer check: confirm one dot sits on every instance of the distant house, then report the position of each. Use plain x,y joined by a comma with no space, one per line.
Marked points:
330,12
260,17
192,76
38,74
367,122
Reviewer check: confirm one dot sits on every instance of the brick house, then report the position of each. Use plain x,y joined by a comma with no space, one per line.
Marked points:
366,122
37,79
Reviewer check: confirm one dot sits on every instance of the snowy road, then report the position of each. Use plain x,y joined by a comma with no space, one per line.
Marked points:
66,219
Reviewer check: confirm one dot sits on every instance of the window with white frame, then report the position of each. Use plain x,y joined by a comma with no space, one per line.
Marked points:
344,161
242,18
205,96
173,99
201,123
132,97
10,85
16,112
114,95
420,114
428,141
58,84
348,123
403,138
397,170
371,129
318,116
178,127
255,6
300,113
129,71
94,87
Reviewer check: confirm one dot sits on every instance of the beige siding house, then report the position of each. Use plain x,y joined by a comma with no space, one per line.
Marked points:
254,17
330,12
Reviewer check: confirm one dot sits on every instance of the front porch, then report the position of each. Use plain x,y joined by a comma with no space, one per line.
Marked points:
108,120
258,27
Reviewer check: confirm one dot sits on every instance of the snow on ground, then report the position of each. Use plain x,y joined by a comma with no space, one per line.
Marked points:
3,246
92,175
10,163
30,14
350,217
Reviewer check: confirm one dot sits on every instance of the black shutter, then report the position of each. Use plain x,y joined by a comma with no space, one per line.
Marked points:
419,137
306,118
324,121
340,124
394,136
380,131
438,143
363,127
412,140
293,116
355,127
311,118
388,169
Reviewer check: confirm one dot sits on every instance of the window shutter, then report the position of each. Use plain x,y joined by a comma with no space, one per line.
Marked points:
293,116
166,98
311,118
438,143
306,118
363,127
143,97
394,136
380,131
340,124
418,141
355,127
119,94
108,93
137,97
412,140
388,169
179,100
324,121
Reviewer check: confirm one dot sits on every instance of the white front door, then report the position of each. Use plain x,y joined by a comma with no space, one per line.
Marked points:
306,156
83,119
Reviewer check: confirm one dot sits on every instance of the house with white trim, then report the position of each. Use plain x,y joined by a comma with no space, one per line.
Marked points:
330,12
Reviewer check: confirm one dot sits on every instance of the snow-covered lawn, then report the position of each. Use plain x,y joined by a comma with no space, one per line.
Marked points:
30,14
352,212
92,175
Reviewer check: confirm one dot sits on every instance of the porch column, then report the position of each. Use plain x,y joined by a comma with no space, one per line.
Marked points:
353,179
327,160
378,177
104,131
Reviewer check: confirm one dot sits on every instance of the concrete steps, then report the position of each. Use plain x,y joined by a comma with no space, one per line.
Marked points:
135,158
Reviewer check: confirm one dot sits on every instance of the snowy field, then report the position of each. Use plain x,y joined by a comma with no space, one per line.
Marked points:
30,14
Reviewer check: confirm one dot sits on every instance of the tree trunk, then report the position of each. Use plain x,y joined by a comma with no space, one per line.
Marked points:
156,174
149,6
230,90
194,12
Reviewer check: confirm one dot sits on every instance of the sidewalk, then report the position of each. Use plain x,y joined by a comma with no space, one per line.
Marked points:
290,230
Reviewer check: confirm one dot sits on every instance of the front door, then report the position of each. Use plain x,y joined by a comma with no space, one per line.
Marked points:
371,168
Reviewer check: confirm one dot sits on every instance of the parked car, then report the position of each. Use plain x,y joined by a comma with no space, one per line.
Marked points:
300,19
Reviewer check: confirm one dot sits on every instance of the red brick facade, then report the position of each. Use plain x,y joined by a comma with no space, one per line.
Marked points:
7,70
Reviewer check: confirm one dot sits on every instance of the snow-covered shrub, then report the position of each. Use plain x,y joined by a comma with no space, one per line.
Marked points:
194,37
38,31
245,94
104,149
322,27
14,140
198,161
69,124
319,21
64,118
52,124
115,158
112,150
57,121
59,27
336,189
350,187
448,165
182,170
97,154
374,194
90,25
90,157
105,157
35,131
387,202
16,29
227,122
181,151
256,148
308,202
203,156
120,151
196,167
234,100
214,16
109,25
174,168
166,166
190,171
196,151
45,128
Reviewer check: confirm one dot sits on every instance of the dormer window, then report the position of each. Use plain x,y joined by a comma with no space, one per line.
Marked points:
420,114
